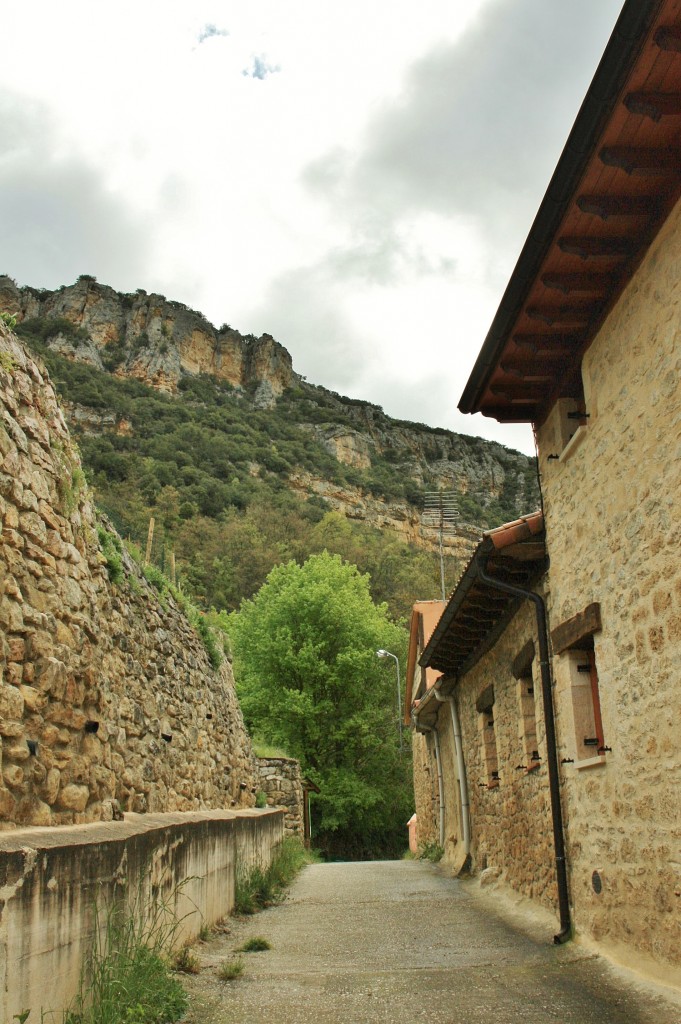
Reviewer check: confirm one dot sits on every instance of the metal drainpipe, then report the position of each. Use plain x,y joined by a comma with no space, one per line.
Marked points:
440,787
461,768
551,755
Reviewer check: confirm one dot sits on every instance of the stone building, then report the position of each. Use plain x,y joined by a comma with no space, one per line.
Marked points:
429,825
586,347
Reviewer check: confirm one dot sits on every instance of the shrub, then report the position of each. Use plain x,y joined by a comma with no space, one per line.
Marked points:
431,851
111,549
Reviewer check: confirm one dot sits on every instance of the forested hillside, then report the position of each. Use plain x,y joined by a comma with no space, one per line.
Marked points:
248,465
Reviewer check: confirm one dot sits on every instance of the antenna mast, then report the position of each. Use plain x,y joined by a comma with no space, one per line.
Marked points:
440,512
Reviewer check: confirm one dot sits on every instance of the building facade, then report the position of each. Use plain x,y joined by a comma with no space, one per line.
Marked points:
586,346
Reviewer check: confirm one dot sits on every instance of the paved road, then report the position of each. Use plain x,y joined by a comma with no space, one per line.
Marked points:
393,942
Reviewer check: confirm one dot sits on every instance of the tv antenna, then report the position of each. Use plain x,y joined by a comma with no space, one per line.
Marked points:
440,512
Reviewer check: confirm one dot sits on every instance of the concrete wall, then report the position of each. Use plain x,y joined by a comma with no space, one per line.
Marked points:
281,782
79,653
51,880
612,522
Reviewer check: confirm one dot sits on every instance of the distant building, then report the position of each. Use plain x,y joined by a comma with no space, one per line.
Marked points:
586,346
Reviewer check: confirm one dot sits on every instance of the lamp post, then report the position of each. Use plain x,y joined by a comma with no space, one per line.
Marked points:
387,654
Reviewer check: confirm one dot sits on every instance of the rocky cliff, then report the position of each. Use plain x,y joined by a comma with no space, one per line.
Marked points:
108,698
151,338
383,466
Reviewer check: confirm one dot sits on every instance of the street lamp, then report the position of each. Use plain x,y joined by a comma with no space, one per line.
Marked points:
387,654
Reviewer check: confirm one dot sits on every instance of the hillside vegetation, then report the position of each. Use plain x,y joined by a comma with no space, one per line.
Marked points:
236,488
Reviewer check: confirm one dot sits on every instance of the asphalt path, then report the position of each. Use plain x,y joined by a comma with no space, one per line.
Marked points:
398,941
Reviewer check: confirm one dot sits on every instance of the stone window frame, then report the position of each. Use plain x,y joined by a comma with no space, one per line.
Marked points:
523,672
484,705
571,427
574,641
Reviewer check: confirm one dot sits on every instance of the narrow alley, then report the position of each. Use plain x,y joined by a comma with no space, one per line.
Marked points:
395,942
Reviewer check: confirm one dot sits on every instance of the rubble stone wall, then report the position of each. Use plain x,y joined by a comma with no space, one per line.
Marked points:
108,701
425,790
612,505
510,818
281,782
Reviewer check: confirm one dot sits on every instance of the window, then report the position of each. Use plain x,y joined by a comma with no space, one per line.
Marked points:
574,639
527,722
490,760
586,705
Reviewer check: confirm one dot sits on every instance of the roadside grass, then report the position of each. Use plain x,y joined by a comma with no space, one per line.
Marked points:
230,970
185,962
262,887
127,976
255,945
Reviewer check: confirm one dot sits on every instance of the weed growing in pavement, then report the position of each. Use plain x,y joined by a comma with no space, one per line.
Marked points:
185,961
255,945
259,888
431,851
230,970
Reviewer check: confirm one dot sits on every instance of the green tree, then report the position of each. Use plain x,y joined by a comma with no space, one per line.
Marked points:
309,680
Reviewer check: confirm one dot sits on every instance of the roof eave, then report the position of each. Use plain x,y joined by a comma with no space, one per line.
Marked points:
620,54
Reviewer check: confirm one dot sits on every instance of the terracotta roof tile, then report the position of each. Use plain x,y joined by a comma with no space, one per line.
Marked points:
519,529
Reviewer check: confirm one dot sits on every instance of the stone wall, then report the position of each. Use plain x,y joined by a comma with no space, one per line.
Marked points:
52,879
281,781
511,834
612,523
510,818
425,790
108,700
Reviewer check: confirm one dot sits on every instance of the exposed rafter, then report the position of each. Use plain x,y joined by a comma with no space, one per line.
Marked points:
616,182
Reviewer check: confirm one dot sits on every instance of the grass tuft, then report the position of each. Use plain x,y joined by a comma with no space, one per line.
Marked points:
260,887
185,961
127,976
255,945
230,970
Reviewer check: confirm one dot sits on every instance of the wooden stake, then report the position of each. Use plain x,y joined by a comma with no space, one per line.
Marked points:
150,539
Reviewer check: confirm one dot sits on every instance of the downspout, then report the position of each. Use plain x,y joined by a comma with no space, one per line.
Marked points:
461,771
440,787
551,755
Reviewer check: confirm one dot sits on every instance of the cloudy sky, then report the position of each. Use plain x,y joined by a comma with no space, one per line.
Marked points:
355,177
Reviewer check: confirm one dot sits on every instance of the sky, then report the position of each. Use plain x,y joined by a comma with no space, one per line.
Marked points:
356,178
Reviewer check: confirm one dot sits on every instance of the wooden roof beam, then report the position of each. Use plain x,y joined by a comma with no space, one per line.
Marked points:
514,398
644,160
527,374
668,37
590,246
617,206
554,344
583,284
654,105
563,315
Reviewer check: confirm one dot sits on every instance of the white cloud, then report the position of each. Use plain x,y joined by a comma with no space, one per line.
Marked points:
364,204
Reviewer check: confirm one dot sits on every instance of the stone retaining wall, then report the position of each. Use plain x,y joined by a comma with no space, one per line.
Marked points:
108,700
282,784
51,880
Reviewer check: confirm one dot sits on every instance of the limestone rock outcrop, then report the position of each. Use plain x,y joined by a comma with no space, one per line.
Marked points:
150,337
